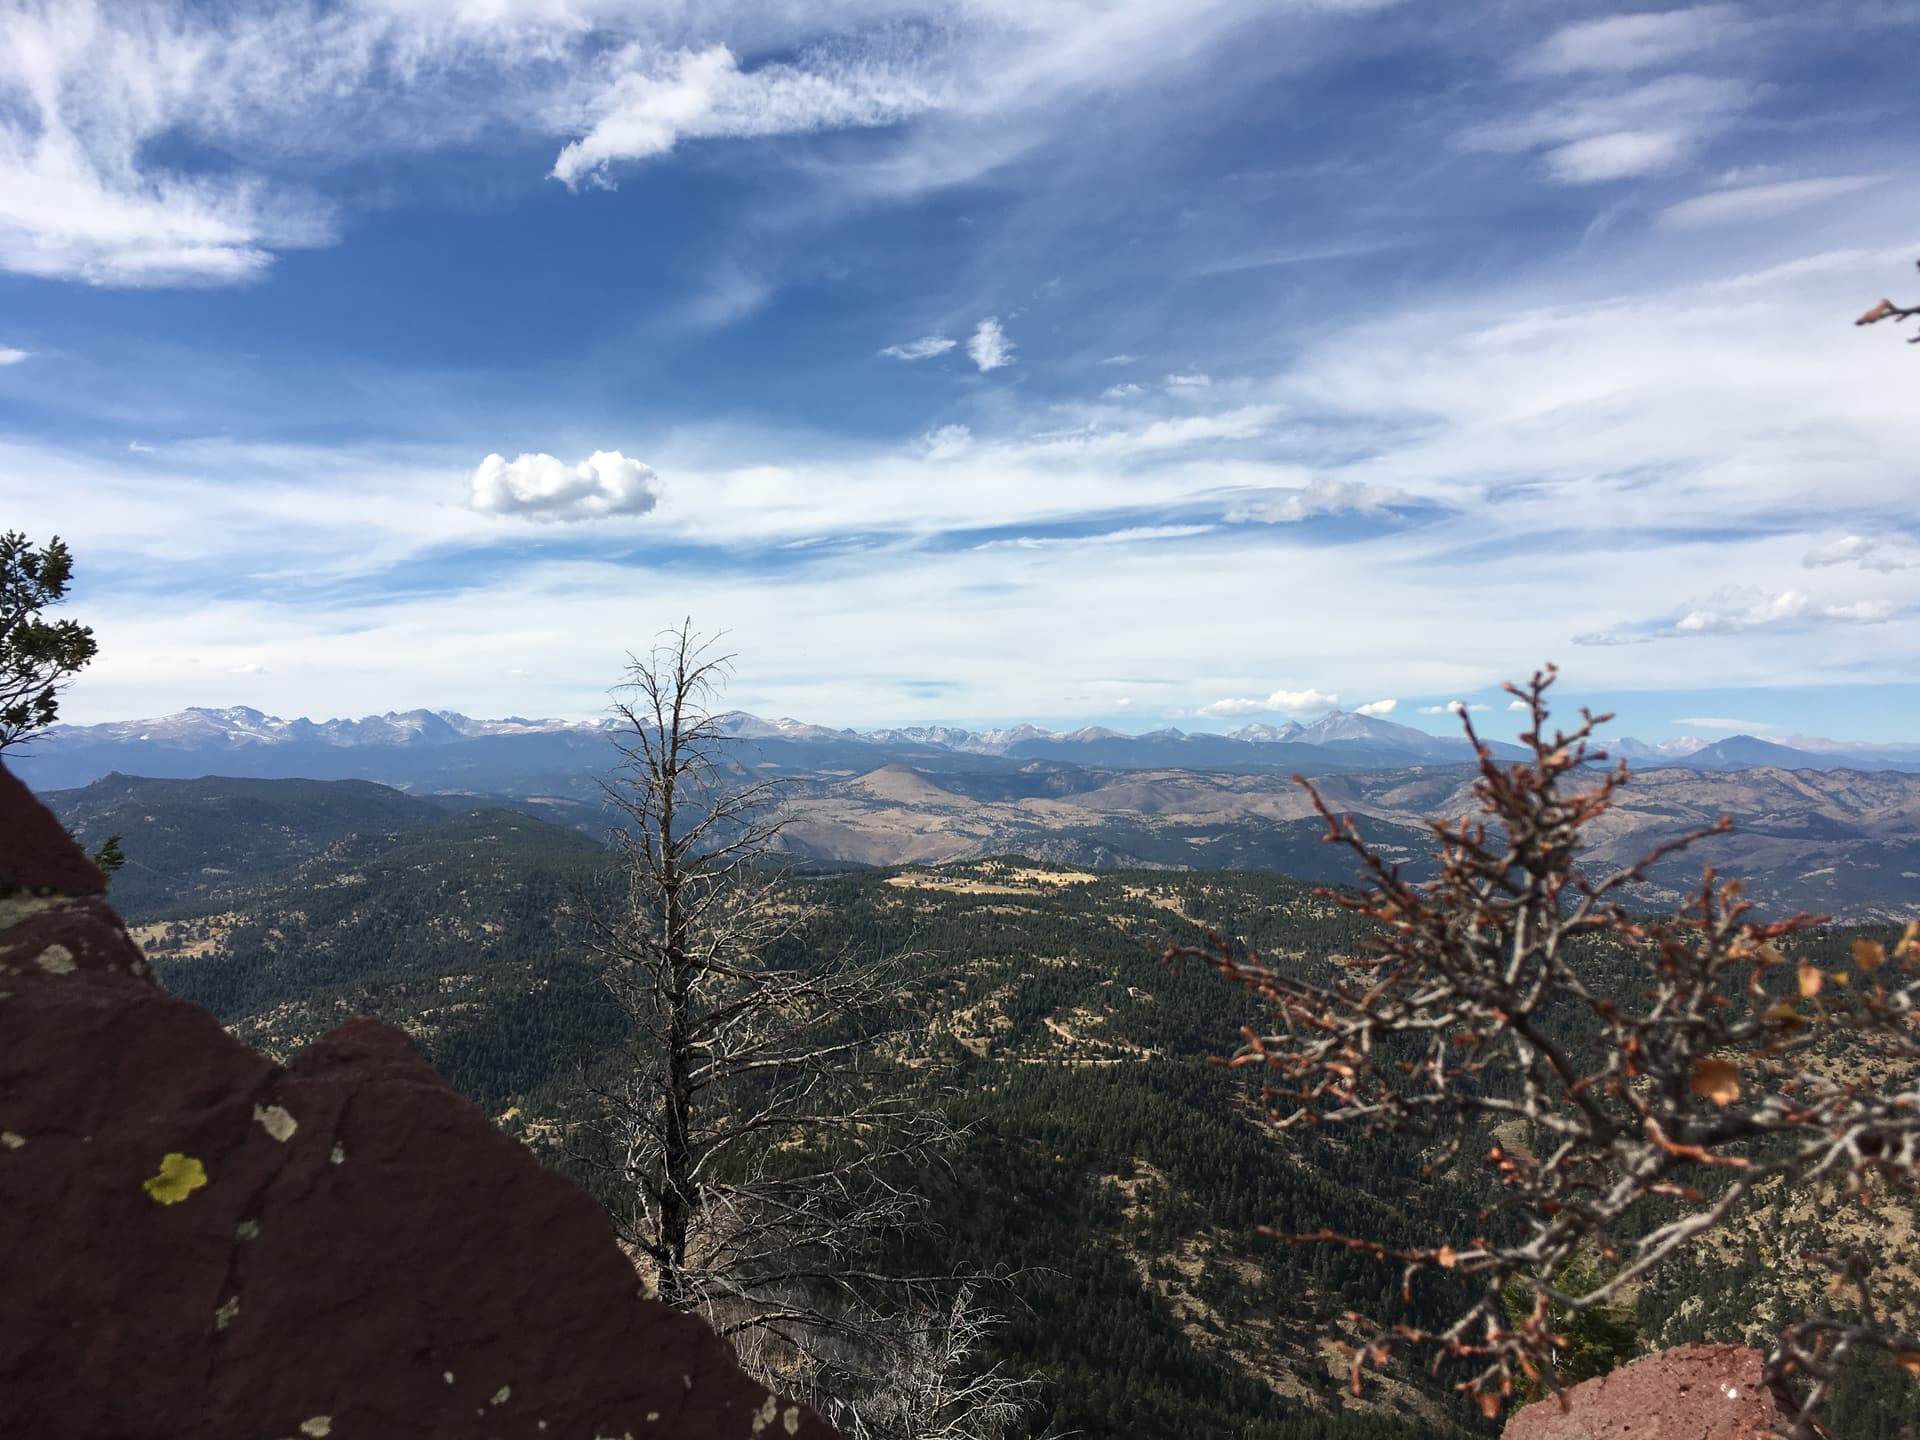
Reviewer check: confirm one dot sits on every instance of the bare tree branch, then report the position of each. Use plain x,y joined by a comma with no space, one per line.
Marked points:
1637,1114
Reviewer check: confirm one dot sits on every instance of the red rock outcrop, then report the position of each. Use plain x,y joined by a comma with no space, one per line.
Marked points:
196,1241
1691,1392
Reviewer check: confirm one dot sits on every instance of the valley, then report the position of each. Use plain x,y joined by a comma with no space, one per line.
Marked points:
1109,1172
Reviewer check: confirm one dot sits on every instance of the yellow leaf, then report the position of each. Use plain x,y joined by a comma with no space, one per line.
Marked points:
180,1175
1869,954
1717,1080
1810,978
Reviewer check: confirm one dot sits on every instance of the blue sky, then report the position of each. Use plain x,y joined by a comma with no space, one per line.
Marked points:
1081,363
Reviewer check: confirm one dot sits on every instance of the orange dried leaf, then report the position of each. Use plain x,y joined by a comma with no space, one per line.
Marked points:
1811,977
1717,1080
1907,1360
1446,1257
1869,954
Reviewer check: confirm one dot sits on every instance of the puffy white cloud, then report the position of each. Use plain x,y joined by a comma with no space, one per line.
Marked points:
1126,390
1518,705
1453,707
1744,204
990,347
1194,380
924,348
654,100
1866,552
1285,702
1377,708
1634,42
9,356
540,487
1302,702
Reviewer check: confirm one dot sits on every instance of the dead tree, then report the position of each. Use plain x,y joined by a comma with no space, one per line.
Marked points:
1887,310
1632,1116
761,1149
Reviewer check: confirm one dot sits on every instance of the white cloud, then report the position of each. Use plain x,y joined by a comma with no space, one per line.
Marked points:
1719,722
1622,155
1285,702
1302,702
1604,638
1595,134
654,100
539,487
251,667
1868,553
1635,42
1321,496
924,348
946,442
12,357
1126,390
1133,535
1193,381
990,347
1518,705
1121,359
1452,707
1227,709
730,295
1377,708
135,447
1747,203
1738,608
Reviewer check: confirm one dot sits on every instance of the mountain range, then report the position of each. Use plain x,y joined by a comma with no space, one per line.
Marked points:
442,749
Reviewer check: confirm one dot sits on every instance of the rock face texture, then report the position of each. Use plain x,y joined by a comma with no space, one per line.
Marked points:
197,1241
1692,1392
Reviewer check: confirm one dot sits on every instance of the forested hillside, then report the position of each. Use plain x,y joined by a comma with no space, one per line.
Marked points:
1109,1173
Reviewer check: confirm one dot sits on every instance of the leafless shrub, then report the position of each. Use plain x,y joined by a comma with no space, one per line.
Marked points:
1641,1113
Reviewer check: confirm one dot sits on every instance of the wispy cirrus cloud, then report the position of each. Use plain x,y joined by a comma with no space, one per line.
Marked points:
11,356
925,348
1745,204
1324,495
1618,43
1605,132
654,101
